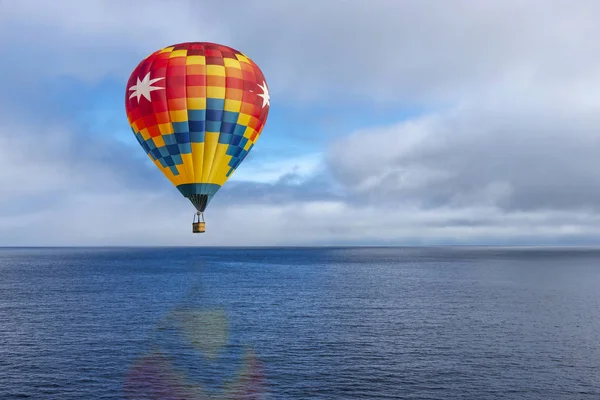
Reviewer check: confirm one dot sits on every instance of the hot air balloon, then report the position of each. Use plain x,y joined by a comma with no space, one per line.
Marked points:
197,109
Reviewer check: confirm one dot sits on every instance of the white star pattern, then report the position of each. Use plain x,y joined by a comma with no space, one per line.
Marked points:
144,87
265,94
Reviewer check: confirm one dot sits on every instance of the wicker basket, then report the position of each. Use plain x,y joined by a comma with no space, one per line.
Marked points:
199,227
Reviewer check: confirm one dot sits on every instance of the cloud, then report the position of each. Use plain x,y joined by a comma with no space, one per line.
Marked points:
65,195
514,156
506,151
381,50
291,169
60,196
91,40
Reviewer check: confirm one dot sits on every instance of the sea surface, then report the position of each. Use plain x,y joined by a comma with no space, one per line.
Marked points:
299,323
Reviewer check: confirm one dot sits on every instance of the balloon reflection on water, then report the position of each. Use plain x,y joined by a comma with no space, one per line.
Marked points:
194,355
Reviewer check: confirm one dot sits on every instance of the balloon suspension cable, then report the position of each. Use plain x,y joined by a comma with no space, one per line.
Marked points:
198,217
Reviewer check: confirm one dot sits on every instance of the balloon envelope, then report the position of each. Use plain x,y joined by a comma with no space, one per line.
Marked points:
197,109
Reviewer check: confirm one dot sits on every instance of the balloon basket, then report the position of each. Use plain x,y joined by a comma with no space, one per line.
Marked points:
199,226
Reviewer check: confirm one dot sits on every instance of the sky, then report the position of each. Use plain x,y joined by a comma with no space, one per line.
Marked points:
391,122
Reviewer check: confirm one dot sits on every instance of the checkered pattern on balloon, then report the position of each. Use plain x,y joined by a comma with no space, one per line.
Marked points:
197,109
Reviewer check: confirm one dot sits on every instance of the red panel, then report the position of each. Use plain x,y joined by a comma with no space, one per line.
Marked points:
159,101
154,131
213,80
175,92
196,91
176,70
214,60
177,62
234,94
162,117
195,69
195,80
178,104
234,83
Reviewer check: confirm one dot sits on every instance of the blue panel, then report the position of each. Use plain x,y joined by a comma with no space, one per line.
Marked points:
150,144
169,161
174,170
177,159
173,149
180,127
145,147
243,142
230,116
163,151
215,104
213,126
239,129
139,137
225,138
169,139
188,189
214,115
185,148
183,137
162,162
227,127
236,140
231,150
197,126
196,115
197,137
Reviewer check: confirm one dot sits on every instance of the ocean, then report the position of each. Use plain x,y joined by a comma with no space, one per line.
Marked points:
300,323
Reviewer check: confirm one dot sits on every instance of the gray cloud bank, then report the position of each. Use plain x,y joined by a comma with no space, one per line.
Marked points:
509,152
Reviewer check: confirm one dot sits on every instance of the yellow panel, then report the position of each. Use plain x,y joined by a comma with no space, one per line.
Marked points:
198,152
166,50
178,53
165,129
188,171
178,116
221,176
230,62
247,145
159,141
215,70
232,105
217,160
145,134
181,170
215,92
244,119
175,179
195,60
242,58
248,132
196,103
211,140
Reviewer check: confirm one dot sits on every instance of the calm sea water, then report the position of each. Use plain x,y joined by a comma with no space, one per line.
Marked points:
334,323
